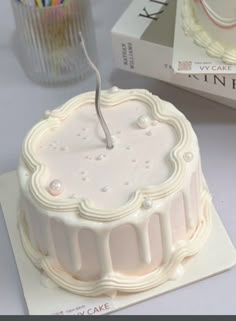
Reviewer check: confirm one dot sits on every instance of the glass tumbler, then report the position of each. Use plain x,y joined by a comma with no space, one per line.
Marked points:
49,43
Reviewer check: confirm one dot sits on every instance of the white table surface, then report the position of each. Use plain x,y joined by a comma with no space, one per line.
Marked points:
22,104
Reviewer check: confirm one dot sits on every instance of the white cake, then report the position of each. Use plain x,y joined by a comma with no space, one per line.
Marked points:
212,25
101,221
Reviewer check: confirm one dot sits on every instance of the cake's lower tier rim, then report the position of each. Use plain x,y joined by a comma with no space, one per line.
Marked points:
119,283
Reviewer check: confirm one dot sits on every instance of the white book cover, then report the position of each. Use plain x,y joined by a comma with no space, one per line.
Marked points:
143,40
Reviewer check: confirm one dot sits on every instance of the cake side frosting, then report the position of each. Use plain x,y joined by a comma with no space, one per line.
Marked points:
116,282
90,250
212,25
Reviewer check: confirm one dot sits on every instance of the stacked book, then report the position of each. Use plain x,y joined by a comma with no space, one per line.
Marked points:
143,40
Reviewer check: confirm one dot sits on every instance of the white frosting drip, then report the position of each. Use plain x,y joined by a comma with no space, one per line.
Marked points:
113,282
188,210
166,231
218,42
104,253
74,249
143,240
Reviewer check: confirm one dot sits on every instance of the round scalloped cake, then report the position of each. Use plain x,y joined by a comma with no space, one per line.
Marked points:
212,25
101,221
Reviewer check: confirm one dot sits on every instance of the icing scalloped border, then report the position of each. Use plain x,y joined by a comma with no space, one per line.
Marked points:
116,282
110,98
202,38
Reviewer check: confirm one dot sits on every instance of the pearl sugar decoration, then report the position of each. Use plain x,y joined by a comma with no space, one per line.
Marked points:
100,157
55,187
105,189
114,90
47,114
114,139
64,148
149,133
188,157
147,204
143,122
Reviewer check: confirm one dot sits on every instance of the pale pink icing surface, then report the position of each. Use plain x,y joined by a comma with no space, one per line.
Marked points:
72,152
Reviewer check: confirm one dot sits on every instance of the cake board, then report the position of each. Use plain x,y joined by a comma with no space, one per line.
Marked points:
218,255
190,58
